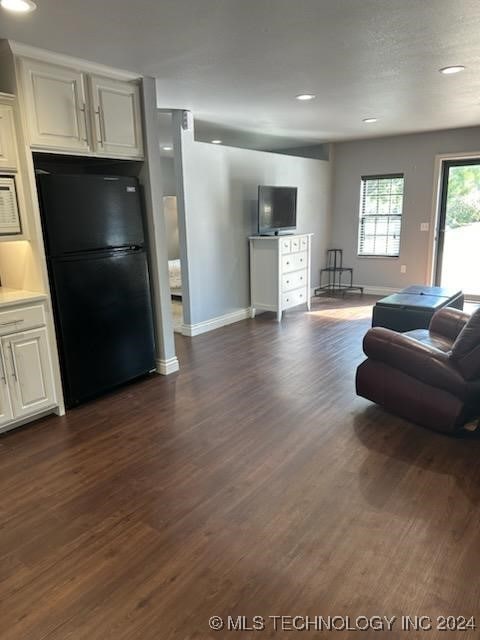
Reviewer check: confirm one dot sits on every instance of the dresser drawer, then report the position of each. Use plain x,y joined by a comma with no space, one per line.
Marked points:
294,262
295,244
285,245
294,280
21,319
293,298
304,243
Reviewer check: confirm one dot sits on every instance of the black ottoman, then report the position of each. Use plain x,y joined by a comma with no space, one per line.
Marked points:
414,307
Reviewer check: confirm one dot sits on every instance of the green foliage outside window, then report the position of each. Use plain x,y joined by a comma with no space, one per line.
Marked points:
463,198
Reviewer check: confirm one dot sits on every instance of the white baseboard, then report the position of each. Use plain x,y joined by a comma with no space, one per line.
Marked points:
378,291
165,367
215,323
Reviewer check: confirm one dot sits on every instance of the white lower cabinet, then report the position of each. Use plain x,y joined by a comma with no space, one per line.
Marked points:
26,375
31,379
6,411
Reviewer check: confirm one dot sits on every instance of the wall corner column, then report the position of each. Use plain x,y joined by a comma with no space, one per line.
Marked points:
166,359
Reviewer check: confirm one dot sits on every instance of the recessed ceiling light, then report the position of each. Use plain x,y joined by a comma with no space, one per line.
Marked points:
450,70
167,147
305,96
216,142
370,120
18,6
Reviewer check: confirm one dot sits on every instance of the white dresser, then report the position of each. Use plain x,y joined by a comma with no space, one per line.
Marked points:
279,272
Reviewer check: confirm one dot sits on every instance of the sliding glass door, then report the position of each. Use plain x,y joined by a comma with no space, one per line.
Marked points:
458,237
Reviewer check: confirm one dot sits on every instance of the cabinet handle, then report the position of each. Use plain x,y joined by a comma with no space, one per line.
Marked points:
84,111
101,125
2,365
14,364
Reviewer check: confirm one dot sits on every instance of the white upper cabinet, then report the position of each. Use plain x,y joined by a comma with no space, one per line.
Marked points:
76,112
8,144
56,105
117,118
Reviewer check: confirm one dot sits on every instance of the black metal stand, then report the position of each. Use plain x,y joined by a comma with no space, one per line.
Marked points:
335,271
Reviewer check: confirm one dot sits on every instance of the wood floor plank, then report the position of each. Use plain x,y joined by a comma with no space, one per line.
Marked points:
253,482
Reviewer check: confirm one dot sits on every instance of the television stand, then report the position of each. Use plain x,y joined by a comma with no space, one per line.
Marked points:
279,272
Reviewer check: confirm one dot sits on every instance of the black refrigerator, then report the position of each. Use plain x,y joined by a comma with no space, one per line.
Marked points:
98,269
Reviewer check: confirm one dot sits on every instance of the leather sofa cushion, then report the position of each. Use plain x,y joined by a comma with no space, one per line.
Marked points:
419,360
448,322
466,348
431,339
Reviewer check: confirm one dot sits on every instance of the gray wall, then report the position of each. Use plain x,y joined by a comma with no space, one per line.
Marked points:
169,188
168,176
171,219
413,155
220,185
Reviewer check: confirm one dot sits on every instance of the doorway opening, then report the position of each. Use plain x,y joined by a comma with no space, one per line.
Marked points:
170,212
457,263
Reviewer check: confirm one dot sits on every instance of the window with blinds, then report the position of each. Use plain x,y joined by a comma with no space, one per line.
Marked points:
381,207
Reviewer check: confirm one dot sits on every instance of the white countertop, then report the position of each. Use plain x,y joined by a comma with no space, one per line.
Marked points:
11,297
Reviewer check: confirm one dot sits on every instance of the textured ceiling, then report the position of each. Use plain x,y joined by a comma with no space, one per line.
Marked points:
237,64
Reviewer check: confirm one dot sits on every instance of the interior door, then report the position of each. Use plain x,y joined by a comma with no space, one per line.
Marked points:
117,118
30,368
458,233
56,110
6,413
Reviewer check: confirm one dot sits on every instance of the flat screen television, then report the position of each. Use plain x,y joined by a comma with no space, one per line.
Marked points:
277,209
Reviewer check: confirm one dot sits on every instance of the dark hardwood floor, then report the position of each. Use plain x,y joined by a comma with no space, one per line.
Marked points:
253,482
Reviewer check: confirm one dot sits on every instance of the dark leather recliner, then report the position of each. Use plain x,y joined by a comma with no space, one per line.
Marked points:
429,376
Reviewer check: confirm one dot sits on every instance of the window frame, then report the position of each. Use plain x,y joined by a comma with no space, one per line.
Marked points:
362,216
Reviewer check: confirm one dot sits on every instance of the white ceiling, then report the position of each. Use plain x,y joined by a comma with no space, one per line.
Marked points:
237,64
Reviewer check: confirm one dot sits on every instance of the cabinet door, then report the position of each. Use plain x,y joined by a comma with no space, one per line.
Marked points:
8,143
30,369
56,107
6,413
117,117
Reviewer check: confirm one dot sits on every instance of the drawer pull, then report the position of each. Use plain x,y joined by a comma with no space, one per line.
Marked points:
14,364
288,281
2,374
5,324
288,263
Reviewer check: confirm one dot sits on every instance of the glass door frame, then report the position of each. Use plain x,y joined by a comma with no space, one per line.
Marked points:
446,165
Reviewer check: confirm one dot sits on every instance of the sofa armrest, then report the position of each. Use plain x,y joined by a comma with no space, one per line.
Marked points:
416,359
448,322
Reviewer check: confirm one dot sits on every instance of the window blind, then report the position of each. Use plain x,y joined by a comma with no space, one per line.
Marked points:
381,208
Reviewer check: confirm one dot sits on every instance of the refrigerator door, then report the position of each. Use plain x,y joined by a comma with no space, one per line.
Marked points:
104,320
90,212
